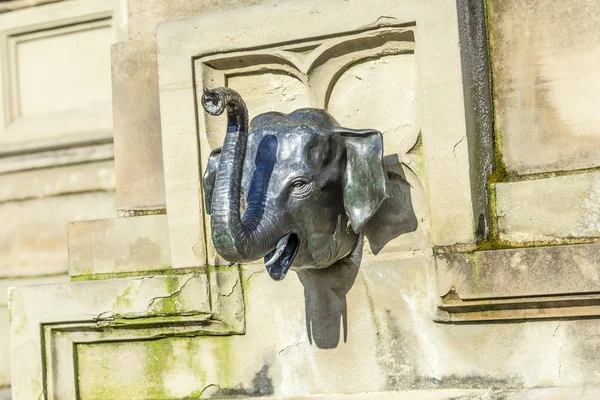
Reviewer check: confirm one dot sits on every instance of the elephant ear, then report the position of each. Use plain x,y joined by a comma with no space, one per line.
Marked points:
209,178
365,180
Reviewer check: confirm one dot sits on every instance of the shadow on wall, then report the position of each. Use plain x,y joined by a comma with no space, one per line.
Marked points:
325,289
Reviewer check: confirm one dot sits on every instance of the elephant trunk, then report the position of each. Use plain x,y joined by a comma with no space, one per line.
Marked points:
235,239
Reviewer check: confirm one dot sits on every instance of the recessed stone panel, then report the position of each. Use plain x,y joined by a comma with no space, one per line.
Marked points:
173,368
74,75
318,62
56,74
547,83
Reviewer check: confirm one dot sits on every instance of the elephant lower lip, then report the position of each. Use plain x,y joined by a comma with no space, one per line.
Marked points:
279,268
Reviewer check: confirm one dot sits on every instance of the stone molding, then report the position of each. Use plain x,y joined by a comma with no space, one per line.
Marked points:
56,138
519,283
45,336
13,5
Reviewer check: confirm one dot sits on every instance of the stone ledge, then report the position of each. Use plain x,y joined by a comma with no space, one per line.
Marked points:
119,245
14,5
25,185
34,237
558,393
521,283
550,209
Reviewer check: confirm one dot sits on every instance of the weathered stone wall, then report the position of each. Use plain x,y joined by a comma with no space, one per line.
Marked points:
56,157
493,295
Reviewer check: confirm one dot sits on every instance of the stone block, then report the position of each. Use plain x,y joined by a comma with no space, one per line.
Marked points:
551,209
136,116
145,15
546,83
33,240
117,245
57,181
533,271
4,319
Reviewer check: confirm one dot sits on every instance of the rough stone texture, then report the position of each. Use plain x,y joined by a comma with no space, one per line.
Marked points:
145,15
551,209
4,326
530,271
119,245
563,393
78,317
136,115
57,181
546,83
33,240
391,342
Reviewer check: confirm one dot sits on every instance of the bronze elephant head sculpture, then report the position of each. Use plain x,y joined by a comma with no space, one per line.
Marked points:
295,189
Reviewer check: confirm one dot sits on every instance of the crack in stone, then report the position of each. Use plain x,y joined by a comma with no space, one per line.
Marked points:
292,345
105,315
175,293
454,148
232,289
206,388
555,330
254,273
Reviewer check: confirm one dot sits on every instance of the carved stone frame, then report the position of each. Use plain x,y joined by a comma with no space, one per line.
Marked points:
93,144
449,185
46,334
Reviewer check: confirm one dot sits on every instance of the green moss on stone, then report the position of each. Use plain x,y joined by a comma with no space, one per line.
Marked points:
157,352
123,300
168,270
172,283
223,356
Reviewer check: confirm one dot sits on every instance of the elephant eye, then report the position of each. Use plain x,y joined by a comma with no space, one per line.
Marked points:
298,185
301,186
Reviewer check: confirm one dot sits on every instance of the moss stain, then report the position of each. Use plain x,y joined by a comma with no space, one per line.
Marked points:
137,274
123,300
172,303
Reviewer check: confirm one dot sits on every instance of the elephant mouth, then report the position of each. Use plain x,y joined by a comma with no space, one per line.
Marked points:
279,260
